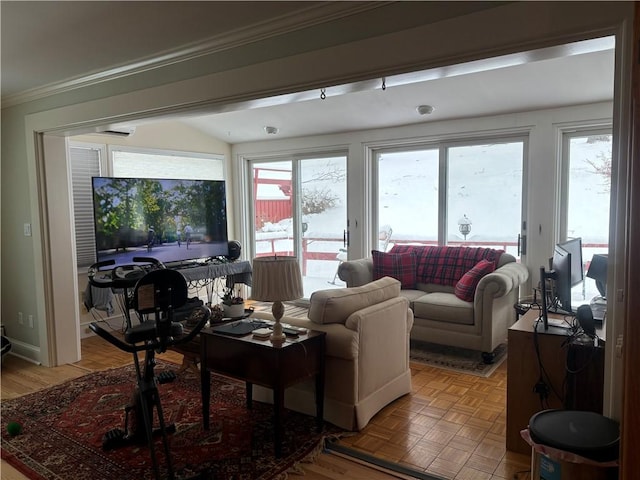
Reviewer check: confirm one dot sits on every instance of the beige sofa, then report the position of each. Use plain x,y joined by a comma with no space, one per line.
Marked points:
367,352
443,318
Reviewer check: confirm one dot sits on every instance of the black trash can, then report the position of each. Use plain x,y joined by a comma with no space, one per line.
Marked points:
593,438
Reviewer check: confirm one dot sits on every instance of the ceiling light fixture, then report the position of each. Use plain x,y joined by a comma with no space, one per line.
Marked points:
424,109
271,130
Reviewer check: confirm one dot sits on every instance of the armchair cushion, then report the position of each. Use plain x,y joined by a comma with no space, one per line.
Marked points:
465,288
335,305
401,266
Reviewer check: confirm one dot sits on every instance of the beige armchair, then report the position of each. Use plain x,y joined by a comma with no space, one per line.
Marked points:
367,352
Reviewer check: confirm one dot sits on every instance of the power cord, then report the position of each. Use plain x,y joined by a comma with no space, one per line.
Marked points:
543,387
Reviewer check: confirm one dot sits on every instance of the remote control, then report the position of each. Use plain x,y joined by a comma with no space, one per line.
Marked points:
299,330
290,332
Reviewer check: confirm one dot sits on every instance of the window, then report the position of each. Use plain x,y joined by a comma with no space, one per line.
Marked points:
586,198
484,194
462,193
408,187
88,160
139,163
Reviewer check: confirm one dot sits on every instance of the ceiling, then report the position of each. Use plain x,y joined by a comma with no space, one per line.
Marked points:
47,42
41,49
548,78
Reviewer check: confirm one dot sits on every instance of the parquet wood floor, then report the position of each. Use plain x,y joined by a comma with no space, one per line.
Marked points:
451,426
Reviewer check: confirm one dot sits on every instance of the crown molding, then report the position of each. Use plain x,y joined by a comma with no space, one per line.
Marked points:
295,21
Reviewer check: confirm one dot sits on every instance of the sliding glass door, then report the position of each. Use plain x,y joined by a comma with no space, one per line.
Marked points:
453,194
299,208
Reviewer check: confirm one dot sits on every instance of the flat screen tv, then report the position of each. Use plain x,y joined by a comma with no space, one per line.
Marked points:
174,221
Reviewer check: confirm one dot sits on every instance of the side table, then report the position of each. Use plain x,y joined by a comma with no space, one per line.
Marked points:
275,366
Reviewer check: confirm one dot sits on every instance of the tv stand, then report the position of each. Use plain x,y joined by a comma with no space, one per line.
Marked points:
197,275
204,274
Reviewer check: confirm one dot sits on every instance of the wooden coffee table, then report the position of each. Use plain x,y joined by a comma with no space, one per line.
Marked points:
275,366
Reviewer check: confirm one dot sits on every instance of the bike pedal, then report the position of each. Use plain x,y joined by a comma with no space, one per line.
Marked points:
166,377
113,439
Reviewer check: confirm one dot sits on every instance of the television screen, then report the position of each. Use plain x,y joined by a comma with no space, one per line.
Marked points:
171,220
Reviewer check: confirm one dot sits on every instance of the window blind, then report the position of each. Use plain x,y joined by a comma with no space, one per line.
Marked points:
85,163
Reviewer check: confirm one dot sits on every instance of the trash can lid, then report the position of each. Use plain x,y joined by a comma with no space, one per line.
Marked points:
588,434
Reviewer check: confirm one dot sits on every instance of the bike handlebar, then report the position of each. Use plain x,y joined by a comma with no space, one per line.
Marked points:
153,343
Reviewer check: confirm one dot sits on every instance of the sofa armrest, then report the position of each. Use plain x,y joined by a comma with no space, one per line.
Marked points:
503,280
356,272
493,304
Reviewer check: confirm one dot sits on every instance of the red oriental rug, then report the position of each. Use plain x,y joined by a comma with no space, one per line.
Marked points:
62,429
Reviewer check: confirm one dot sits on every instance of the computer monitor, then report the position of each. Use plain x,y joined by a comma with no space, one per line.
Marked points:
562,265
574,247
598,271
560,273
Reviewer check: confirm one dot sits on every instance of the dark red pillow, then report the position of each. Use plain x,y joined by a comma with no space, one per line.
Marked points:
401,266
465,289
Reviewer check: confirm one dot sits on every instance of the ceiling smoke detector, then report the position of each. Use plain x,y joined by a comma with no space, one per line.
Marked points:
424,109
271,130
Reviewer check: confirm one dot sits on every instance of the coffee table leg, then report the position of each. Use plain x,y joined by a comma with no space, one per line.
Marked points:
278,407
249,395
320,386
205,391
320,401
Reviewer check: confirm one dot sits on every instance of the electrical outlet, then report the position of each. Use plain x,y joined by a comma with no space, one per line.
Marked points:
30,320
20,318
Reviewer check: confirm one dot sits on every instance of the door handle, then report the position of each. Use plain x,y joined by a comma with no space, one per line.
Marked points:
345,238
522,245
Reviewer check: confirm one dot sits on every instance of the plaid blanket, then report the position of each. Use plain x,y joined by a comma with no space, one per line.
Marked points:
446,265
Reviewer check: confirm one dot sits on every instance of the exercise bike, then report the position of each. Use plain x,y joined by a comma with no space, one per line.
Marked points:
153,292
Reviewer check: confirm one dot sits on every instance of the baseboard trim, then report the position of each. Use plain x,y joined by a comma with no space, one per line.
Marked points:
30,360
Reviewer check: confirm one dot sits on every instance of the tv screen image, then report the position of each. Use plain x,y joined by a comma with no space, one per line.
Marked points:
171,220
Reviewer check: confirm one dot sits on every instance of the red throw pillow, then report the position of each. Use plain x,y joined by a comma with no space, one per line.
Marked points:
465,289
401,266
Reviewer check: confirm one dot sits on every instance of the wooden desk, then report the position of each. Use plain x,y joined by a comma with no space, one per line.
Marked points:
582,390
263,363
